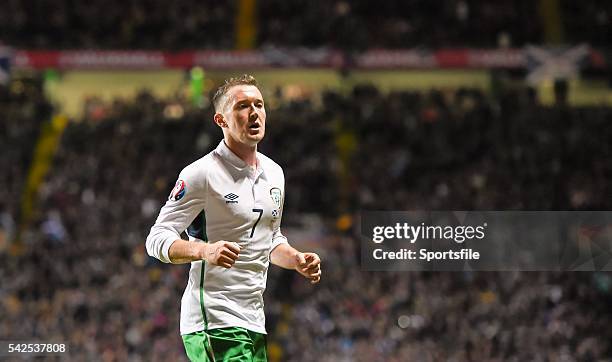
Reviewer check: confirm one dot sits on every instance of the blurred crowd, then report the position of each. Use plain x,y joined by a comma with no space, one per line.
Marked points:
349,25
83,275
23,110
359,25
116,24
463,150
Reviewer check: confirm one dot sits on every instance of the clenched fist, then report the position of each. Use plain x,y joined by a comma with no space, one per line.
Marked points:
222,253
309,265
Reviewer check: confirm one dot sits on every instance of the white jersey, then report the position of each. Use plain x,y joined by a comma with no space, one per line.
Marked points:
219,197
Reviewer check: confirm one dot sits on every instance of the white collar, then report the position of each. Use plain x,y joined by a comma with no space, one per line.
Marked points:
238,166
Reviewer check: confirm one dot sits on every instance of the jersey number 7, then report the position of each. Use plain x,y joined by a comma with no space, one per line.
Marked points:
260,211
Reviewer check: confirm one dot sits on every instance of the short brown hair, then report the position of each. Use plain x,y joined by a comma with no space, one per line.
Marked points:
245,79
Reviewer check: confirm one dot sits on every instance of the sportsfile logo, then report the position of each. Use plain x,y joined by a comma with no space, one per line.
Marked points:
486,240
412,233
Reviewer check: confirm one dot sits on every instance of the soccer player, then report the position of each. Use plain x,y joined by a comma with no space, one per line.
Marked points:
229,202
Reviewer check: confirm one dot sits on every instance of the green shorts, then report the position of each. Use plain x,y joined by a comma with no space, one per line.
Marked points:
226,344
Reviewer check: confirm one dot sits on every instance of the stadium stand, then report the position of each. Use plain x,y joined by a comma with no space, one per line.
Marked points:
84,276
354,25
24,109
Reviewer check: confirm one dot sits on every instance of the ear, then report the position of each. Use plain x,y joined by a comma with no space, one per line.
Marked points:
220,120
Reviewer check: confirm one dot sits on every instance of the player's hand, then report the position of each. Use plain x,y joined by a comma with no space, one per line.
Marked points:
309,265
222,253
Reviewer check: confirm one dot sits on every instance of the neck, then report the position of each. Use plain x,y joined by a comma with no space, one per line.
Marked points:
245,152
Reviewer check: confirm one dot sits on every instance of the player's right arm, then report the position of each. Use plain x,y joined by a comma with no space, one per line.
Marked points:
186,201
222,253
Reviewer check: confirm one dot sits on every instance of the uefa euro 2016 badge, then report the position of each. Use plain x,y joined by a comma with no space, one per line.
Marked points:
178,191
277,197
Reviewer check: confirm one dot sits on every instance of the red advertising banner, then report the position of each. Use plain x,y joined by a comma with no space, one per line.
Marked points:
283,58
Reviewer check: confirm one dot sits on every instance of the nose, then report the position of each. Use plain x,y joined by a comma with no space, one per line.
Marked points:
253,115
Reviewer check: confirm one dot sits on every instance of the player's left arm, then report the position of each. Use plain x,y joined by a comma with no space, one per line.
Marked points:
307,264
284,255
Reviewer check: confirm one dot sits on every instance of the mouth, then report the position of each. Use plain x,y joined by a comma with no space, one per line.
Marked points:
254,128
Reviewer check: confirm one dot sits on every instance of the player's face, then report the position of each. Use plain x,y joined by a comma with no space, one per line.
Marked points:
245,114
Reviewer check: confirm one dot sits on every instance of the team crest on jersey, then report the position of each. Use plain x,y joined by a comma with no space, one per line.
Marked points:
178,191
277,197
275,193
